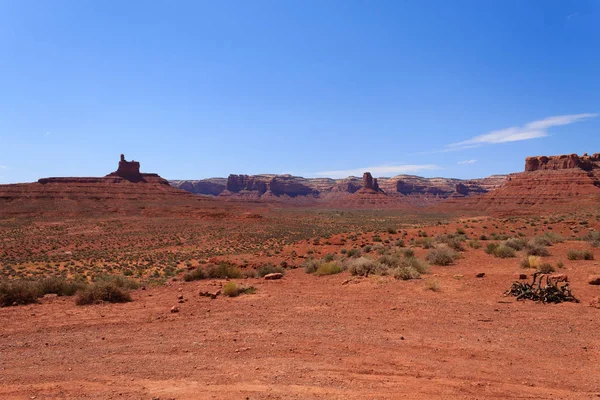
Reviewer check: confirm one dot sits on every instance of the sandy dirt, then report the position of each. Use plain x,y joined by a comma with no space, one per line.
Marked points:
307,337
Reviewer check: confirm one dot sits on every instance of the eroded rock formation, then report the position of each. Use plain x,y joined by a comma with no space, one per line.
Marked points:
403,188
555,182
565,161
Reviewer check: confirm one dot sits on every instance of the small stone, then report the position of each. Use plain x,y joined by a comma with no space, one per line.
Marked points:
521,276
174,309
594,279
180,297
273,276
480,275
595,303
559,278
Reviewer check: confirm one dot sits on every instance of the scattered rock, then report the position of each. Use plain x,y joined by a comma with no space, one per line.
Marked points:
174,309
212,295
273,276
595,302
480,275
594,279
559,277
180,297
521,276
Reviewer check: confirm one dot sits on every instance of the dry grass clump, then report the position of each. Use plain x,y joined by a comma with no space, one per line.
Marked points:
546,268
269,269
573,254
103,292
433,285
18,292
364,266
232,289
194,275
534,249
504,251
441,255
224,271
328,268
531,262
396,265
516,243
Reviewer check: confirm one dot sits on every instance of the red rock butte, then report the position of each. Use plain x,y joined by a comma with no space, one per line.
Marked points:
126,189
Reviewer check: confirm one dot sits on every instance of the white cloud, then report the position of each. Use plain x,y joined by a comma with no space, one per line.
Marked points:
3,167
467,162
531,130
381,170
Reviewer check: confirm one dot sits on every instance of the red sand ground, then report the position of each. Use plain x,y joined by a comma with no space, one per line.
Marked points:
306,337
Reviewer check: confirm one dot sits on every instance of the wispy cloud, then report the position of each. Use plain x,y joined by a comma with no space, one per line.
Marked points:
467,162
380,170
3,167
531,130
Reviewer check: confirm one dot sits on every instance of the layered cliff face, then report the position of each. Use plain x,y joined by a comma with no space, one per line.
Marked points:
401,189
565,161
125,189
555,182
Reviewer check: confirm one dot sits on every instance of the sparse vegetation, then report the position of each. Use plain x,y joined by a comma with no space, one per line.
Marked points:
232,289
573,254
328,268
441,256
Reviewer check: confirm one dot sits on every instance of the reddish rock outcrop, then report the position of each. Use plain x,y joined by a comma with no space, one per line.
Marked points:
211,186
565,161
133,192
405,189
556,182
369,183
129,170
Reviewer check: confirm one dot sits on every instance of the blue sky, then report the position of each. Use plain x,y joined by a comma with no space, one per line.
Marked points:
195,89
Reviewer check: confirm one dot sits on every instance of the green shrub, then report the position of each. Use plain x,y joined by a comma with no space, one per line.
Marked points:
409,253
416,264
103,291
310,266
406,273
269,269
224,271
537,250
18,292
580,254
232,289
491,247
329,268
441,256
474,244
59,286
504,251
426,243
545,268
363,266
354,253
194,275
329,257
516,243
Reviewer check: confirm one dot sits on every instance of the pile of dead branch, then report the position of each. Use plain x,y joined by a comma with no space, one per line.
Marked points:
542,289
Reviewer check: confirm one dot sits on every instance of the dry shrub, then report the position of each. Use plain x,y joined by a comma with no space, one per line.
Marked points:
329,268
441,256
103,292
232,289
18,292
194,275
579,254
269,269
504,251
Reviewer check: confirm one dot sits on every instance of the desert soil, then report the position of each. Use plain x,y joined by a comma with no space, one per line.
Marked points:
307,337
